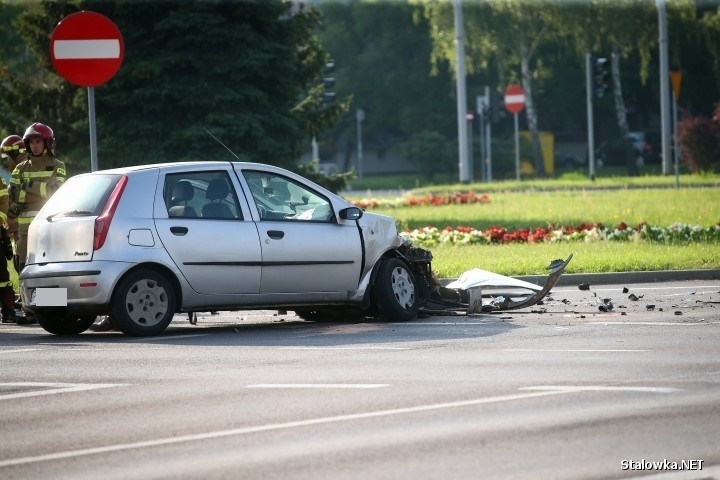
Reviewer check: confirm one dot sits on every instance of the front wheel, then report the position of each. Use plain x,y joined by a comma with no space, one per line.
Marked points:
395,291
60,322
143,303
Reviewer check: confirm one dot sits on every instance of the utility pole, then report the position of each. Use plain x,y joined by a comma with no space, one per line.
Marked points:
464,165
590,123
664,87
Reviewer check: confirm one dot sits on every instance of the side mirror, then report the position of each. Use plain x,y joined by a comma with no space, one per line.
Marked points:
351,213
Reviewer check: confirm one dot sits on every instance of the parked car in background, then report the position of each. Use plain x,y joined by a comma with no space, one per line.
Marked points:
612,152
146,242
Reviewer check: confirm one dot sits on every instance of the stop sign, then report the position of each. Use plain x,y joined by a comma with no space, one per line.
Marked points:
514,99
86,49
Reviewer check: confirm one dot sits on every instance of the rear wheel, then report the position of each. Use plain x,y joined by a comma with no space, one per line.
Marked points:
143,303
60,322
395,291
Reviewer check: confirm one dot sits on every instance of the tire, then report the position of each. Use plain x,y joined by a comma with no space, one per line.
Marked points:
61,322
143,303
395,291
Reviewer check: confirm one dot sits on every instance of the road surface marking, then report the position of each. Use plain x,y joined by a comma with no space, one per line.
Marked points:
601,388
318,385
570,350
649,323
170,337
275,426
19,350
52,388
344,348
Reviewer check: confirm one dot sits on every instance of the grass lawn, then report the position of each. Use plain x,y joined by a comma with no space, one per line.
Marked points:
559,205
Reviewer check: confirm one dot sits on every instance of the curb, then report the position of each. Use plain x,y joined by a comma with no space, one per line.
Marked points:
627,277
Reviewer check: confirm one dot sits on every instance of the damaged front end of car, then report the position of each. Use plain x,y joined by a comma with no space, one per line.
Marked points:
476,290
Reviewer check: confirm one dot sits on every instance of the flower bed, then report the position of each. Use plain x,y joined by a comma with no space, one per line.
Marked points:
458,198
462,235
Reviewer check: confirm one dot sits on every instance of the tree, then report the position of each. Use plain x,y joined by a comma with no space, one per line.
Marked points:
245,71
382,59
505,34
30,91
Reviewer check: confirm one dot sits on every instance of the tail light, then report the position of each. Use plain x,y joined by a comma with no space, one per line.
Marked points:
102,223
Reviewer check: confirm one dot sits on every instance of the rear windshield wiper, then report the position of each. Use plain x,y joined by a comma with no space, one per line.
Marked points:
72,213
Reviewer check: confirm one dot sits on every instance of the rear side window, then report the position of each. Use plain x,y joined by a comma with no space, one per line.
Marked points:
82,195
205,195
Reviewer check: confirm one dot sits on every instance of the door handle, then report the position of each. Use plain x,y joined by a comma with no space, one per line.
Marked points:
180,231
276,234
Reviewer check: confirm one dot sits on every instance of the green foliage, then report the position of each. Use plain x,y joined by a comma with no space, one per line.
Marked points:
246,71
429,150
335,182
381,58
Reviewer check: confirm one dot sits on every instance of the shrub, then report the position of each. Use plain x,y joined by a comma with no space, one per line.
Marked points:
699,138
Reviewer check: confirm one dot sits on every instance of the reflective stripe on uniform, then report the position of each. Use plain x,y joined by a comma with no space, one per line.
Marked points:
43,189
41,175
30,213
6,284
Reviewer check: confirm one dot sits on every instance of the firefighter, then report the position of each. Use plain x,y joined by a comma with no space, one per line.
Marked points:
33,182
12,151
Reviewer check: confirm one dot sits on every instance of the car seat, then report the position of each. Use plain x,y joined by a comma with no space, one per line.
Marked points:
218,189
182,193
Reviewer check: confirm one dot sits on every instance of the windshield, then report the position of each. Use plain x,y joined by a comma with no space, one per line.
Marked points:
84,193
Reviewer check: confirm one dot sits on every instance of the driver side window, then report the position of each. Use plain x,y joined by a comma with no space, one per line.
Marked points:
280,198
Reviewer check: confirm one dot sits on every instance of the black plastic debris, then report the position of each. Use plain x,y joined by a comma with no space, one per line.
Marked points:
606,307
633,297
650,307
584,286
678,312
625,290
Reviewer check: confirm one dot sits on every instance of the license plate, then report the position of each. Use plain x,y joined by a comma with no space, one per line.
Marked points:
48,297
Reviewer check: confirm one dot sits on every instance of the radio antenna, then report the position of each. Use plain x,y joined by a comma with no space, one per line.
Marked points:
221,143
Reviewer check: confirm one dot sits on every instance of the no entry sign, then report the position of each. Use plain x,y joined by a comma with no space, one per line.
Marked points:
86,49
514,99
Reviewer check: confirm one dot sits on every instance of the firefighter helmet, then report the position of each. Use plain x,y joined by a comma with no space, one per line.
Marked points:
42,131
11,145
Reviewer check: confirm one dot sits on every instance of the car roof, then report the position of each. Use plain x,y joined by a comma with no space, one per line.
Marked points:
194,164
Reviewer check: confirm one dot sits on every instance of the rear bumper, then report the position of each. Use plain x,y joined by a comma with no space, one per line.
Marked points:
88,284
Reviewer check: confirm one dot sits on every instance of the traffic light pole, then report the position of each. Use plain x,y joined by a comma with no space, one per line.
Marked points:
590,125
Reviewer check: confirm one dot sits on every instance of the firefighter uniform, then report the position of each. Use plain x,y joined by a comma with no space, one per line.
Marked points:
7,292
13,152
33,182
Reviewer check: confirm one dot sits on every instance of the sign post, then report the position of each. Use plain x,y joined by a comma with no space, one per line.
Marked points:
86,49
515,103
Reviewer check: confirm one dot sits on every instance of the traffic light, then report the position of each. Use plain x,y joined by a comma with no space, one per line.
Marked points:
600,76
328,82
497,106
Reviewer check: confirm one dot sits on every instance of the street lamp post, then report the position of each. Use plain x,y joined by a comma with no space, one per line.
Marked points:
360,116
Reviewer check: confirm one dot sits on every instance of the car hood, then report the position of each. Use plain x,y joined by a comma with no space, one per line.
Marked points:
379,234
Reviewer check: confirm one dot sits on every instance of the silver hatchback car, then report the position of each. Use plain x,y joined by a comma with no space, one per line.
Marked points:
146,242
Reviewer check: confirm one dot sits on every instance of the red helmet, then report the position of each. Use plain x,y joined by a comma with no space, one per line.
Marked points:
42,131
12,144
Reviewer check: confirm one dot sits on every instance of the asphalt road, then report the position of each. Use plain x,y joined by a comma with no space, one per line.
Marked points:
560,390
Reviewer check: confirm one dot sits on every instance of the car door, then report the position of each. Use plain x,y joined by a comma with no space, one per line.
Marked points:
304,248
208,232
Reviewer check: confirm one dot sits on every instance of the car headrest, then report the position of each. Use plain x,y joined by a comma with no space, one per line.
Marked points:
182,191
217,189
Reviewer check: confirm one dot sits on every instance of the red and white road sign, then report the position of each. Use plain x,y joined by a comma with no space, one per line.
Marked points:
86,49
514,99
